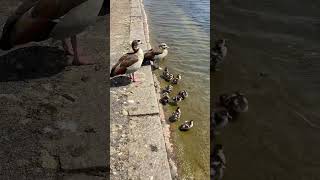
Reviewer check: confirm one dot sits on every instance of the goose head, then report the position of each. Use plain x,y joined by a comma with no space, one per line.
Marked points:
135,45
163,46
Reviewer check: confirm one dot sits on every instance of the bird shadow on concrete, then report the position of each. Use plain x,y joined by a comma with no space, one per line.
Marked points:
31,63
120,81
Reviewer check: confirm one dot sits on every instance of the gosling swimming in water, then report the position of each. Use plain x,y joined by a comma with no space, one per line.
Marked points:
186,125
220,119
168,89
177,99
176,79
183,94
169,78
165,72
165,98
235,103
218,53
175,115
219,162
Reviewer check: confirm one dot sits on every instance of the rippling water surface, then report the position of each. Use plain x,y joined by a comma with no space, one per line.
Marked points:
279,137
184,26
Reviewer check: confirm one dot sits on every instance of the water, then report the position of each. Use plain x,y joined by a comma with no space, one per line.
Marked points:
279,137
185,27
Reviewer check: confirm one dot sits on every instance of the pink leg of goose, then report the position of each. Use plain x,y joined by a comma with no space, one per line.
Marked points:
66,47
77,60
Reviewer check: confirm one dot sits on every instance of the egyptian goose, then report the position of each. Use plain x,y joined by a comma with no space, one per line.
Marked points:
155,54
39,20
129,62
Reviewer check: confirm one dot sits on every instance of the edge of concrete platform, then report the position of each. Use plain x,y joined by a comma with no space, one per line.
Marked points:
150,160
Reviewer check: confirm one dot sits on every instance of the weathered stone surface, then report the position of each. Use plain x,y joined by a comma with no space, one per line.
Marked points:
147,153
137,145
143,94
82,177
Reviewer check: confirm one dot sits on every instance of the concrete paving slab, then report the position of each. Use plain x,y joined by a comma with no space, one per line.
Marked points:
147,152
136,12
143,95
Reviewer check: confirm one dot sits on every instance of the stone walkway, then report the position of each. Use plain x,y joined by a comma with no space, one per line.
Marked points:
137,144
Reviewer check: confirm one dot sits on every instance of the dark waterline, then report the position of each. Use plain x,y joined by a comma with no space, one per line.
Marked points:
279,137
184,26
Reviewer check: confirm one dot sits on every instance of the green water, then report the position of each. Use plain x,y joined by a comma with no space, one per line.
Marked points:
184,26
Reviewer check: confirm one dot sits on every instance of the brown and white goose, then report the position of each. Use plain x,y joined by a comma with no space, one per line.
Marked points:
155,54
130,62
38,20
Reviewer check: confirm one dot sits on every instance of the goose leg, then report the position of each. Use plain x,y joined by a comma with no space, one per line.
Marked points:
66,47
134,78
77,60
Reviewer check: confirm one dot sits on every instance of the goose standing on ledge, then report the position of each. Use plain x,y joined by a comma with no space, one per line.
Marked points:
39,20
130,62
154,55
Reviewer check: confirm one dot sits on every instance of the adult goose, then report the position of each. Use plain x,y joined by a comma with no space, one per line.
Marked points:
155,54
130,62
39,20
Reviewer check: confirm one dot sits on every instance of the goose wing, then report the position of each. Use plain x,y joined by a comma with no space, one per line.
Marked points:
123,63
152,52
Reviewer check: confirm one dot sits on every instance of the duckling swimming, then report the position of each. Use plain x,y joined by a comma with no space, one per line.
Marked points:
186,125
168,89
219,162
183,94
164,99
165,73
236,102
169,77
175,115
176,79
220,119
177,99
218,53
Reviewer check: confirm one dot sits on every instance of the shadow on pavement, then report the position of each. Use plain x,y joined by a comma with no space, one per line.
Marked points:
32,62
120,81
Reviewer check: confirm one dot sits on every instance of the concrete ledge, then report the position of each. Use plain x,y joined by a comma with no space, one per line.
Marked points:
148,157
147,154
143,95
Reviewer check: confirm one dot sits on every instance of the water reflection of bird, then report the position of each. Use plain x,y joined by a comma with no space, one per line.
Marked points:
218,53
